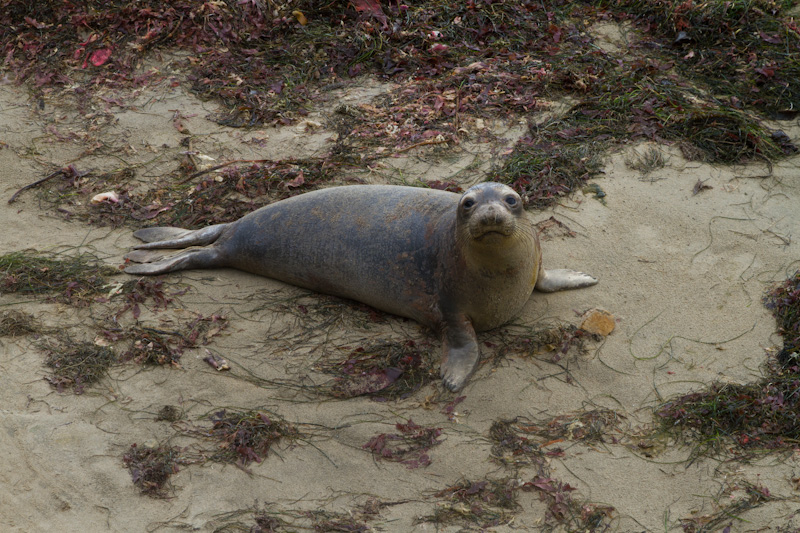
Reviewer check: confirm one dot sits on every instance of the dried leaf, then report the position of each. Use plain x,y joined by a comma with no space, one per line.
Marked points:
700,186
99,57
598,322
301,18
772,39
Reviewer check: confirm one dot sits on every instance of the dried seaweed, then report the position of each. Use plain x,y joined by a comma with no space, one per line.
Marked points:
247,436
383,370
76,365
186,198
15,323
784,302
169,413
152,467
559,340
484,503
762,415
74,280
522,441
747,51
269,519
410,446
754,496
152,346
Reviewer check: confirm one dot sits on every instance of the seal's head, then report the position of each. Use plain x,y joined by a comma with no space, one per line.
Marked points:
490,213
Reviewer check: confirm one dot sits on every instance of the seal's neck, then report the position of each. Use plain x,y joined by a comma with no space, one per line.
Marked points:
500,259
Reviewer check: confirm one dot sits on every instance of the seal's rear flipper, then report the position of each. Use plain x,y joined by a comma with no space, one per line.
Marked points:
160,234
460,353
166,237
193,258
561,279
145,256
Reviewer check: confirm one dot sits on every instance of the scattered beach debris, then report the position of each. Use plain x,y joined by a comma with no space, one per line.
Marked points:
152,467
76,365
598,322
410,446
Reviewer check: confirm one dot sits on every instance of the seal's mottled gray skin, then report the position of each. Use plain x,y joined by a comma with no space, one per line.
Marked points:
456,263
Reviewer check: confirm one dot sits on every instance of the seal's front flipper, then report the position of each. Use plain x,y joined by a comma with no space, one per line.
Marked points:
166,237
192,258
561,279
460,353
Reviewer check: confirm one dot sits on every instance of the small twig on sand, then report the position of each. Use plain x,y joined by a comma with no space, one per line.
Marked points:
34,184
223,165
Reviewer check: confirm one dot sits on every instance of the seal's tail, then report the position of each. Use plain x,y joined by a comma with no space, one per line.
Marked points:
152,261
166,237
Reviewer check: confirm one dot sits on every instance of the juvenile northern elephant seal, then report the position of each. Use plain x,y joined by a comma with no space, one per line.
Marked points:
456,263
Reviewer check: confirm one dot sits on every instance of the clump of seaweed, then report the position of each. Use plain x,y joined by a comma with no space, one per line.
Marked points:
138,292
268,520
266,523
149,346
559,156
784,302
169,413
586,426
354,520
410,446
330,521
247,436
565,510
490,503
522,441
188,197
754,496
484,503
759,415
724,136
511,446
387,370
154,346
234,192
747,51
559,340
544,166
152,467
75,194
650,160
75,280
15,323
76,365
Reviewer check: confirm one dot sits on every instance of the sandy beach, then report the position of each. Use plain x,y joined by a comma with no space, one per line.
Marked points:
682,273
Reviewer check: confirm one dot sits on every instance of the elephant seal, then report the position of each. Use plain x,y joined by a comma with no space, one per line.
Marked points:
456,263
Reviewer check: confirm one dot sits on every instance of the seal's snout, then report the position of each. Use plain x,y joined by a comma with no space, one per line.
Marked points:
498,224
494,217
490,209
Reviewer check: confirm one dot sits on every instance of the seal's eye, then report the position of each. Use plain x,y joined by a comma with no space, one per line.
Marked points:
510,200
469,202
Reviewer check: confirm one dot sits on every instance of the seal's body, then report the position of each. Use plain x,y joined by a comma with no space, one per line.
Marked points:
456,263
